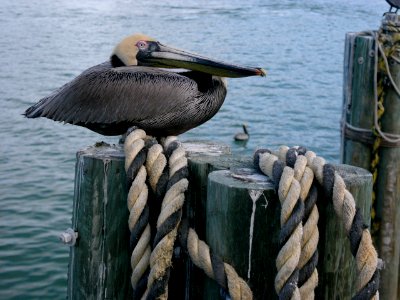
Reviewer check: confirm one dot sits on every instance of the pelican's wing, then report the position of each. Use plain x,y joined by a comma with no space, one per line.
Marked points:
103,94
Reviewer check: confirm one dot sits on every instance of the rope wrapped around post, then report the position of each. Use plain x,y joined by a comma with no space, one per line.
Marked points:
344,205
168,221
298,257
165,170
308,274
135,152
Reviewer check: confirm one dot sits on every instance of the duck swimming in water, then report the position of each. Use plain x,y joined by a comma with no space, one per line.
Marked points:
242,136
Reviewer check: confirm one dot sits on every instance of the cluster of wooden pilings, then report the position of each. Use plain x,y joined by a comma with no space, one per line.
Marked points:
231,206
236,210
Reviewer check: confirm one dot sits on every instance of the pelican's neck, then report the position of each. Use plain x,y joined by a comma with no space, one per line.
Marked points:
116,62
245,129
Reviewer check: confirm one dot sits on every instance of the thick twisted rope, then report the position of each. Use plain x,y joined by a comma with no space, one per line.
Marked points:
156,166
344,205
292,213
298,257
168,222
135,155
308,274
213,265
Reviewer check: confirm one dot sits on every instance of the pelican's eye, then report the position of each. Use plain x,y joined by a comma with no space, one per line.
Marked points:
142,45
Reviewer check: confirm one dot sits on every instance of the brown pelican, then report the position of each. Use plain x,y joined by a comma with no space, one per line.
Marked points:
242,136
140,86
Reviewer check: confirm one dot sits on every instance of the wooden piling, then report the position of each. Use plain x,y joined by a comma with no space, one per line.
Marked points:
203,158
358,110
358,92
243,227
99,266
388,181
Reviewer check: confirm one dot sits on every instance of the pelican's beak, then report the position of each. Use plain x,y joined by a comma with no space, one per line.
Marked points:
161,56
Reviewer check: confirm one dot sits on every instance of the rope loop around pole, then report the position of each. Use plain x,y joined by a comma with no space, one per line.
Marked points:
289,170
138,222
344,205
168,221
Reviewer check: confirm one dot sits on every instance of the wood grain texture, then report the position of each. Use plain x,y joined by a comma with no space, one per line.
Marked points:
388,181
358,96
99,265
234,222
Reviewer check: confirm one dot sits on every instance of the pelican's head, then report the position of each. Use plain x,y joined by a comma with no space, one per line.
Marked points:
125,52
141,50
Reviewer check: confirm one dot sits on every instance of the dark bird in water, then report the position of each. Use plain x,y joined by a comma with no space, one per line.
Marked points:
394,4
141,86
242,136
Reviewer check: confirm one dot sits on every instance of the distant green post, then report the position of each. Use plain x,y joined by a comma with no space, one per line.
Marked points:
358,98
358,112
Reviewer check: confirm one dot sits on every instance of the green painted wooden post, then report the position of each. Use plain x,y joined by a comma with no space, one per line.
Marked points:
203,158
99,266
388,181
358,96
243,227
